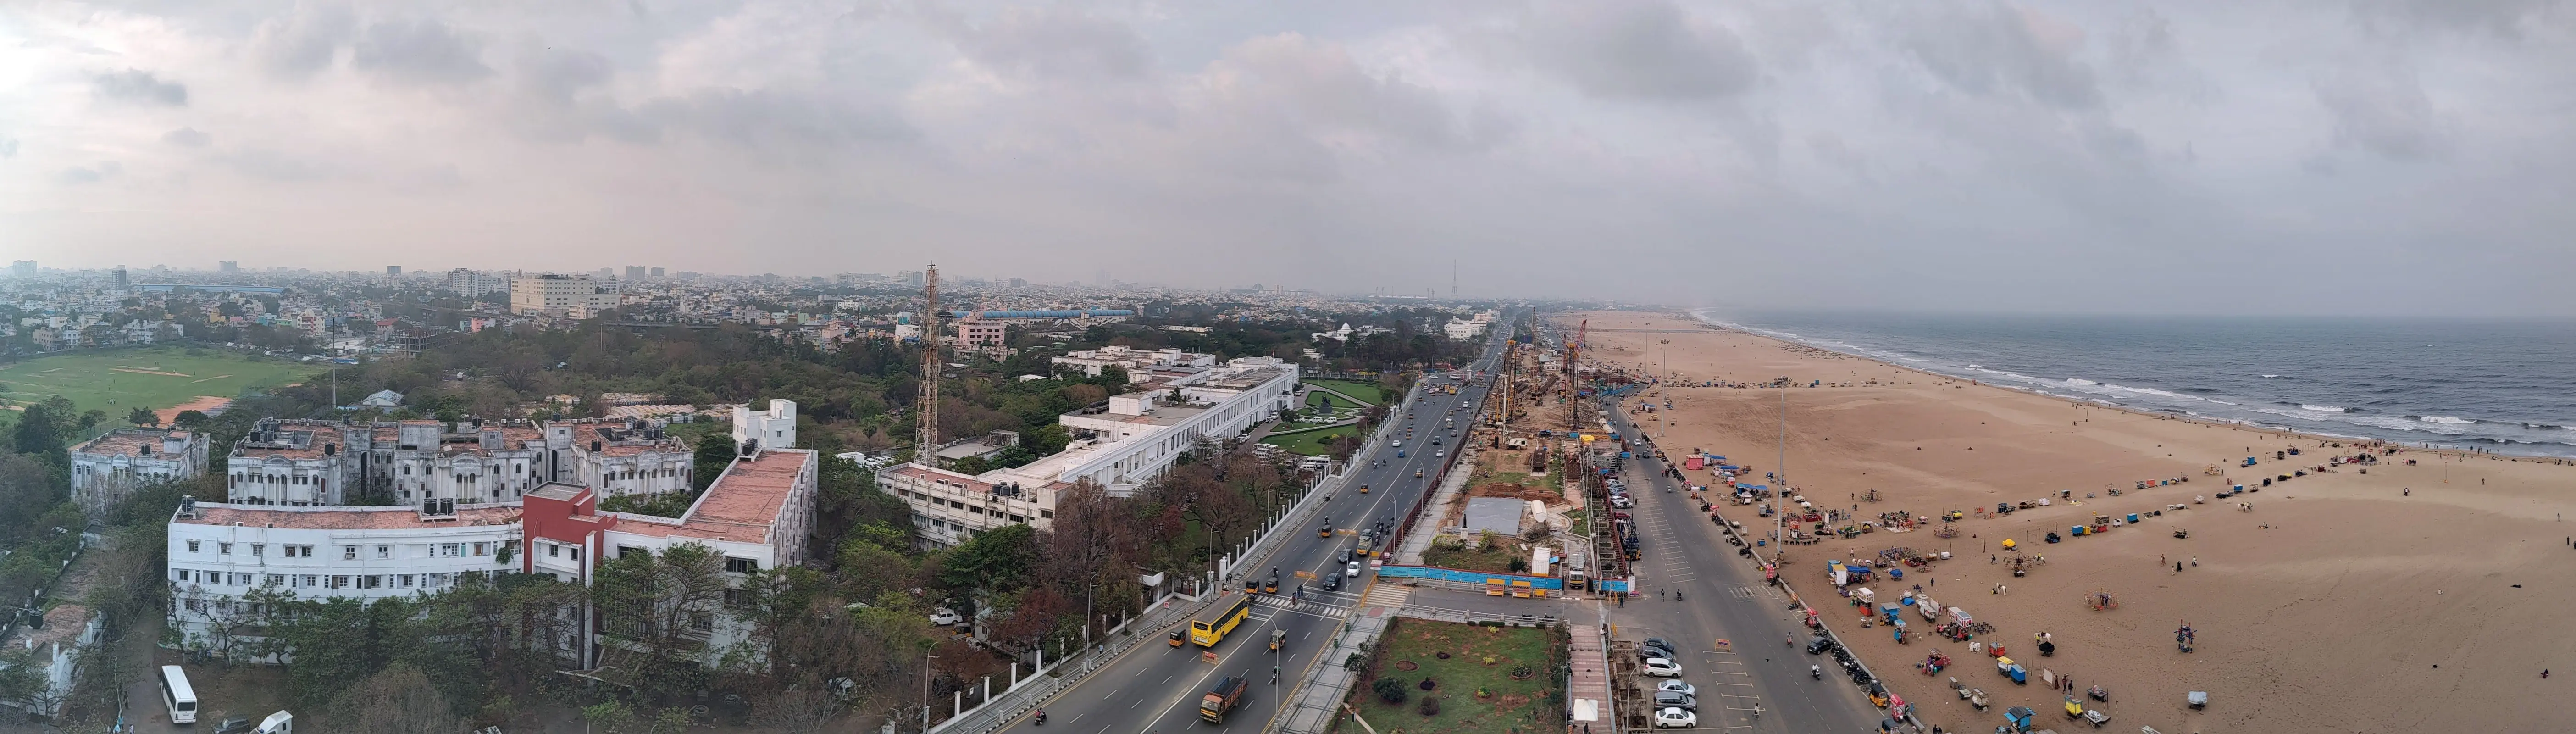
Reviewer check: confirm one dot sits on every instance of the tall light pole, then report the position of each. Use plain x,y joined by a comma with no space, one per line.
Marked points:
926,657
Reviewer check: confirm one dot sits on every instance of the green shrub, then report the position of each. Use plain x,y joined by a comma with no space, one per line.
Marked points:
1390,690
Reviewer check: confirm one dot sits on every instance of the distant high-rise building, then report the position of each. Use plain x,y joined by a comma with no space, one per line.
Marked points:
469,284
561,295
908,277
227,266
634,272
607,272
23,268
120,277
1019,283
393,270
657,271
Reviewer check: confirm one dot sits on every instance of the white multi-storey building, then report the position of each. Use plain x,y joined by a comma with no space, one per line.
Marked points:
107,468
470,284
575,296
1136,439
758,515
774,428
1137,362
440,466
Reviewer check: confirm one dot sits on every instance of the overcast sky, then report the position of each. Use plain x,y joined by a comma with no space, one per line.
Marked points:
2381,156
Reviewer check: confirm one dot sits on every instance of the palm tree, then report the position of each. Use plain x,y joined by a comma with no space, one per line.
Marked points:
143,416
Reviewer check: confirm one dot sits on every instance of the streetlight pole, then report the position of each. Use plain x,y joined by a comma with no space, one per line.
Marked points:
926,657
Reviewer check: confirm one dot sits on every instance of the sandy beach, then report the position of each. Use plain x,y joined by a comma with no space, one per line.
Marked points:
2407,598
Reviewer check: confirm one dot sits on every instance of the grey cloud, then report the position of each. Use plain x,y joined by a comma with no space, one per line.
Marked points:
766,117
1056,42
557,74
1293,78
296,46
1991,49
1640,49
187,137
132,85
2502,18
420,52
94,173
2385,113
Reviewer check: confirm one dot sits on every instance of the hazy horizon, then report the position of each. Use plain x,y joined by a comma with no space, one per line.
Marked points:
2378,157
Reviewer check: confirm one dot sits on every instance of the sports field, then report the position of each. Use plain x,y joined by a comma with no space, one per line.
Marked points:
160,378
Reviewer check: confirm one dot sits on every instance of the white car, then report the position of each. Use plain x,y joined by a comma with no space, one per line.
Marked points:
1676,719
1663,668
1396,444
1676,686
943,617
1351,570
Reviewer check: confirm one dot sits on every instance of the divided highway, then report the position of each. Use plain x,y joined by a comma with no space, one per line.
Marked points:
1732,628
1156,687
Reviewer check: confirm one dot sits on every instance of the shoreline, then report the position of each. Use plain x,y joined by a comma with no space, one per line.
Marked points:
2292,433
1701,316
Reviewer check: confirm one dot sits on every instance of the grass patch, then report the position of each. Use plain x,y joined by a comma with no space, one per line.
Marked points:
1361,390
121,380
1310,443
1510,706
1494,557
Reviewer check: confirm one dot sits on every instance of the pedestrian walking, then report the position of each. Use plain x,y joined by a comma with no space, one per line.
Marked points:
2195,561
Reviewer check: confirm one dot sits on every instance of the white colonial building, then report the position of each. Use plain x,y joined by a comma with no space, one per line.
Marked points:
758,515
439,466
107,468
774,428
1138,438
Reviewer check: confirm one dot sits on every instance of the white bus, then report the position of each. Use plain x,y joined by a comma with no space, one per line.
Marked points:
178,696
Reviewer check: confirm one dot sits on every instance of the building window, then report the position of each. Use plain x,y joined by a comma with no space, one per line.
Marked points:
339,582
348,553
258,549
197,605
276,580
223,549
741,565
554,551
179,574
628,550
384,551
1048,514
447,550
309,579
406,580
242,579
371,581
576,552
192,546
482,549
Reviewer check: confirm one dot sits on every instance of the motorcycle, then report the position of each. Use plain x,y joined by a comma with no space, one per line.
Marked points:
1816,671
1041,717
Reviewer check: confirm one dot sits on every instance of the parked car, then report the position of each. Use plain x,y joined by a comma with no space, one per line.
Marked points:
1818,645
1677,686
1676,699
1663,668
1676,719
1660,643
943,617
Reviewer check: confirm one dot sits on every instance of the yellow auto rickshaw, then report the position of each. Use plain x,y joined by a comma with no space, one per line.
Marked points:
1277,638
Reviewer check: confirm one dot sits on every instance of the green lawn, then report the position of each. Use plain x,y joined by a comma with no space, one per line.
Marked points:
1361,390
1310,443
1510,706
1447,552
153,377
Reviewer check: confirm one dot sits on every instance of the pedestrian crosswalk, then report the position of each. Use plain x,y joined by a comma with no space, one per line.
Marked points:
1325,604
1386,595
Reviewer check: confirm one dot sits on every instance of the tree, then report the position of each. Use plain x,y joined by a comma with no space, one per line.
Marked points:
1000,559
143,416
714,453
1094,544
804,708
1390,690
190,419
666,603
396,700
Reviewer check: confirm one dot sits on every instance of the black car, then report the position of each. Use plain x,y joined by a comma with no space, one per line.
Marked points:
1818,645
1345,557
1332,582
1660,644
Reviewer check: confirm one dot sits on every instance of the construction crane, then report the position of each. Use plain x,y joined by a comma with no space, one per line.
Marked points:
1574,349
925,439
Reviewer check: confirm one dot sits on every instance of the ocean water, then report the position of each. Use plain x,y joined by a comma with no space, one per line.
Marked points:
2505,386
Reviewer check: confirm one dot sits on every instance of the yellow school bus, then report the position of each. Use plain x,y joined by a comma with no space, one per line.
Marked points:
1211,627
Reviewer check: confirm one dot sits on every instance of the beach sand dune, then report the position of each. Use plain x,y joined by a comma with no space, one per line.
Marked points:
2341,602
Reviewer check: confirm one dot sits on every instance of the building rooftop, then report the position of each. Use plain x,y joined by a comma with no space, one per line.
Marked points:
132,442
740,507
397,517
63,622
